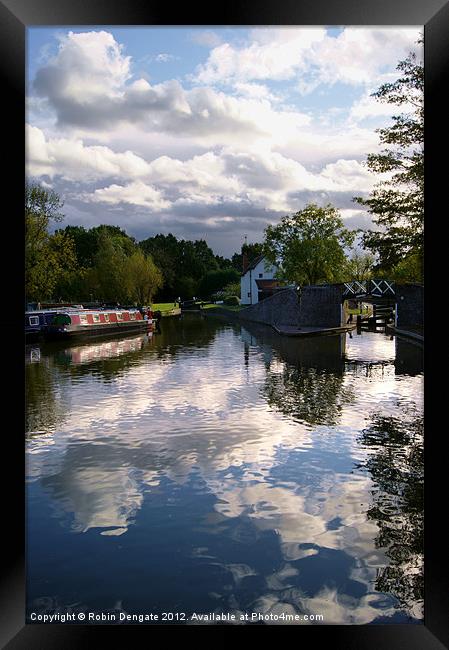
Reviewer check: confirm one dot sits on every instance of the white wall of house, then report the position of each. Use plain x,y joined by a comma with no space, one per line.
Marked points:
249,291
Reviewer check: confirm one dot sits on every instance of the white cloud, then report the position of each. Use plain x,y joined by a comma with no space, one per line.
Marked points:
256,176
272,54
73,161
206,38
370,107
136,193
85,94
355,56
88,65
235,157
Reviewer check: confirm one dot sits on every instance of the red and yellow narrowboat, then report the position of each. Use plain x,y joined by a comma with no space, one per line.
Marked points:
97,322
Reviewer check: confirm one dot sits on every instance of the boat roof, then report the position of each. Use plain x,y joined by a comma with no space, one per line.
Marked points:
50,311
77,309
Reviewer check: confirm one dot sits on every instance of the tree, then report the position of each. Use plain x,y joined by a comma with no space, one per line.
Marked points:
143,278
360,266
47,257
232,289
164,250
250,250
183,263
217,280
308,247
107,280
397,204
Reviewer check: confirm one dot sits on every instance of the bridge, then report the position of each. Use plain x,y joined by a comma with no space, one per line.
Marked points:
356,290
325,305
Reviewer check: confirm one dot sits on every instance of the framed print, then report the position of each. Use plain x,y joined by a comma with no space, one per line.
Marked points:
223,277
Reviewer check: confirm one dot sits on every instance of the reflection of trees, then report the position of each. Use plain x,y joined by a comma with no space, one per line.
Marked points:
396,465
307,385
307,394
178,334
45,406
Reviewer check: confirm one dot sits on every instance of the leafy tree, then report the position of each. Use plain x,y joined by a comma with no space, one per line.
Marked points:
223,262
183,263
186,287
397,204
232,289
164,252
47,257
410,269
86,244
360,266
118,236
308,247
250,250
107,279
143,278
73,285
215,280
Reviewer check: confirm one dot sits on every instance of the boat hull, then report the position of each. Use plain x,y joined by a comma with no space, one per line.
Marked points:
105,329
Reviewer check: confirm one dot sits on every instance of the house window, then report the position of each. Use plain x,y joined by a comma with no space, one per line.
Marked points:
260,275
34,320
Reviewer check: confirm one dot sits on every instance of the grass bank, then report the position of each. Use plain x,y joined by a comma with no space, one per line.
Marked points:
163,306
227,307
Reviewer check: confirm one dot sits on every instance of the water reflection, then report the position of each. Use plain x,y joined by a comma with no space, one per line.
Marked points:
396,464
219,468
409,359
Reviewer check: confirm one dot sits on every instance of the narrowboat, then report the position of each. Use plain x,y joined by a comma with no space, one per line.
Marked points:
72,323
37,322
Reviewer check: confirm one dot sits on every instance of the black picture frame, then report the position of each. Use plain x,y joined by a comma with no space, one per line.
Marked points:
15,17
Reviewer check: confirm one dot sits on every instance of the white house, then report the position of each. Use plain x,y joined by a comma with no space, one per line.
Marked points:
257,280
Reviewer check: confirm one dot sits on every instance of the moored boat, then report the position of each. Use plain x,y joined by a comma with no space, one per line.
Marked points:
38,321
96,322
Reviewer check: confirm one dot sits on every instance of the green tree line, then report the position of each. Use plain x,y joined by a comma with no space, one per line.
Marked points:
105,264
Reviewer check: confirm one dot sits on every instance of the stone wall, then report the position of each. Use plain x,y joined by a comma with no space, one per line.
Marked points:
280,309
317,306
410,305
321,306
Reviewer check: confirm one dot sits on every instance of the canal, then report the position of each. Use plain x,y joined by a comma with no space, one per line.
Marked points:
219,468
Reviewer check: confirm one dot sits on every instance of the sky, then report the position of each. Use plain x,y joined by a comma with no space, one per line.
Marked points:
208,132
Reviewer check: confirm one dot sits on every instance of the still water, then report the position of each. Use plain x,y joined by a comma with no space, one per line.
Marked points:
215,468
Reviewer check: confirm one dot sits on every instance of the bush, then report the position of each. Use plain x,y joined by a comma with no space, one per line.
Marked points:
232,301
232,289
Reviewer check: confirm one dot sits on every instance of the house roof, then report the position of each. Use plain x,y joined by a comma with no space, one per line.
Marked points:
267,284
252,265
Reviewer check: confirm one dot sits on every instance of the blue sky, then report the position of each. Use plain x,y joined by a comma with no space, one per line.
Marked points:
207,132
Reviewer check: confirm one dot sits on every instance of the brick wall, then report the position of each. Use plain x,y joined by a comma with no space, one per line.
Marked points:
321,306
280,309
410,305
